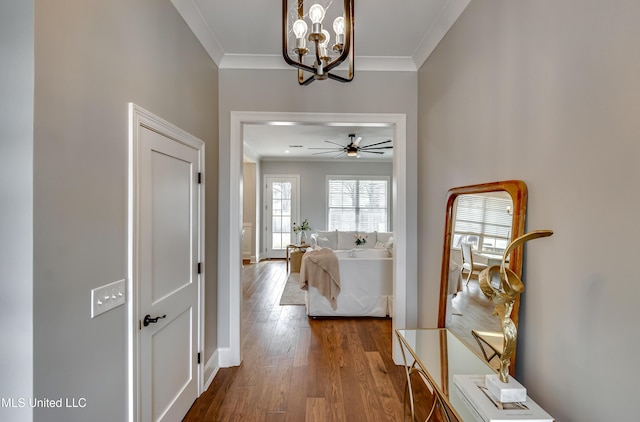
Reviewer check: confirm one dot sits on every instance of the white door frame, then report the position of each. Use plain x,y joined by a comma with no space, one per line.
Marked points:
230,250
295,215
141,118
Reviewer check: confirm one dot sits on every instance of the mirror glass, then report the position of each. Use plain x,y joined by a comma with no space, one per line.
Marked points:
481,220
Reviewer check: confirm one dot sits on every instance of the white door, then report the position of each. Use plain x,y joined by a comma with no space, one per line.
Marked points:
167,275
281,211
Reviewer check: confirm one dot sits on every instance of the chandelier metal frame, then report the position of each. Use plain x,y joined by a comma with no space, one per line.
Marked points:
323,65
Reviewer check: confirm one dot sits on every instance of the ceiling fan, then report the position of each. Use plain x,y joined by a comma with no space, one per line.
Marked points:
353,149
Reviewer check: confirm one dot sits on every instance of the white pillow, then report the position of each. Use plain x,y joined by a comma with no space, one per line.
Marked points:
380,245
383,236
346,240
389,246
328,239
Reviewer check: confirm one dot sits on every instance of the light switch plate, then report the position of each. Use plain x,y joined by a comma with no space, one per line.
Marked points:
107,297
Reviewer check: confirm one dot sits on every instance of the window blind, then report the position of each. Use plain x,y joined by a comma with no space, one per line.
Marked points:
359,204
486,218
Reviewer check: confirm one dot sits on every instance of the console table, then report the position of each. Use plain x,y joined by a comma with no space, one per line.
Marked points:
435,356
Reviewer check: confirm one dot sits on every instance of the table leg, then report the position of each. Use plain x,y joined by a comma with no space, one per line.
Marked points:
436,409
287,260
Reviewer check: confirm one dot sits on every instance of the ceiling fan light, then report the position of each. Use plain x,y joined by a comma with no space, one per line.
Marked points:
352,153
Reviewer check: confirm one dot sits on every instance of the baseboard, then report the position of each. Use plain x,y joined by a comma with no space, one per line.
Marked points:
211,368
224,357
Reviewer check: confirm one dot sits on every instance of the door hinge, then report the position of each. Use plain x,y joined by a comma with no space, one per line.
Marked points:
199,178
198,358
199,268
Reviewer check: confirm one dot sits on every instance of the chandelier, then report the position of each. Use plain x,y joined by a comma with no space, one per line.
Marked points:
317,51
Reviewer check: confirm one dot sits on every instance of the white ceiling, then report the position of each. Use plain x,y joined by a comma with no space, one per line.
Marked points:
271,142
247,34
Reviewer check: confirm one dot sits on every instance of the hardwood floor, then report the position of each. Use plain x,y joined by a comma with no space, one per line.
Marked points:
300,369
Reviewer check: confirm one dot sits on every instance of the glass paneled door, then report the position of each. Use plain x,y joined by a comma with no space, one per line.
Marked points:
281,211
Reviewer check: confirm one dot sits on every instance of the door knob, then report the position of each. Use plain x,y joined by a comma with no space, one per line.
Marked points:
148,320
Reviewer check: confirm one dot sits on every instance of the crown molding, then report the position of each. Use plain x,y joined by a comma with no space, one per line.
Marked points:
275,61
450,12
192,15
196,22
385,64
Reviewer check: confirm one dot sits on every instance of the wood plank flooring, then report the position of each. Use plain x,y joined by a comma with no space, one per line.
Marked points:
300,369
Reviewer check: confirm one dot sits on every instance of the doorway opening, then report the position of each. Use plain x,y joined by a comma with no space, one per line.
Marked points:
230,234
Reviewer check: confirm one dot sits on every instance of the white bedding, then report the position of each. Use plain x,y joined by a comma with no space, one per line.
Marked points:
366,287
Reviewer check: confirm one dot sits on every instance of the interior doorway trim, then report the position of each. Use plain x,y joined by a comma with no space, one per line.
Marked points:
139,118
230,248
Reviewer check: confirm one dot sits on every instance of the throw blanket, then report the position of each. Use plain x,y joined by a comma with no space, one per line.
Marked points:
320,269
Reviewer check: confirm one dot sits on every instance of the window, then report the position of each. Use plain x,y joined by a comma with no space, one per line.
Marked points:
358,203
484,221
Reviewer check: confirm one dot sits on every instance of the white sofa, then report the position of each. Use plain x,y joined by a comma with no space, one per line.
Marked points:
345,240
366,276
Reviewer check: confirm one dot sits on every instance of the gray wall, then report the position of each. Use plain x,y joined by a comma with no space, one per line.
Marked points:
16,205
313,183
278,91
91,59
548,92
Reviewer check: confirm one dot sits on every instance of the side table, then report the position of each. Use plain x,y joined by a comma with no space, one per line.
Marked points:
300,247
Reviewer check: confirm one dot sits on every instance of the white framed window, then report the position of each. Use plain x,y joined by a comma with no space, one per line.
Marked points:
358,203
484,221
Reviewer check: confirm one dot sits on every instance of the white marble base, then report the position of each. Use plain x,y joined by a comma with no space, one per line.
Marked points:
505,392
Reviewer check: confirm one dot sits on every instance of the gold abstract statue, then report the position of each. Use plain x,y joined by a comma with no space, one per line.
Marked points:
505,296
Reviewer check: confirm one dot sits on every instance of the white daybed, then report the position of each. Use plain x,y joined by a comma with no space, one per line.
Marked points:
366,282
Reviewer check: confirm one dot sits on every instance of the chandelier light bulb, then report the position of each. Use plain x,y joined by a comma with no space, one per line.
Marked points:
327,36
300,28
310,50
316,13
338,25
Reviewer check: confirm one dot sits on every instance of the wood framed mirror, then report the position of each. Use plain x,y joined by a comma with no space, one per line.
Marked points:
484,218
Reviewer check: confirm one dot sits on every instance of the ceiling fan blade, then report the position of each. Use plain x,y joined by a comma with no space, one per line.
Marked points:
326,152
377,143
336,156
334,143
371,152
369,149
335,149
357,141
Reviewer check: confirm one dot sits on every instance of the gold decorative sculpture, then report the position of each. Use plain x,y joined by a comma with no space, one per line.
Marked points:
504,297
